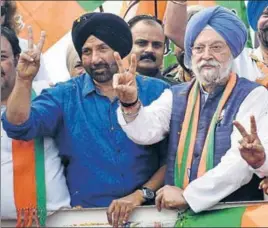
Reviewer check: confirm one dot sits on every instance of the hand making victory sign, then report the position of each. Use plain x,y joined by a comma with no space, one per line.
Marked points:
124,82
29,61
250,147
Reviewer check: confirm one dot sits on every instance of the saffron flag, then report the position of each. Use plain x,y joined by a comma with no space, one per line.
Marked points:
54,17
244,216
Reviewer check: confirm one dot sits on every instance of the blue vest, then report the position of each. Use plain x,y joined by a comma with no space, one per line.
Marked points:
223,131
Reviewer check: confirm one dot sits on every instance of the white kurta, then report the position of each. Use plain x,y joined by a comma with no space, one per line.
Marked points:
245,67
56,189
152,124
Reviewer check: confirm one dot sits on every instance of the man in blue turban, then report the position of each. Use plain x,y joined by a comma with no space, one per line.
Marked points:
206,155
225,23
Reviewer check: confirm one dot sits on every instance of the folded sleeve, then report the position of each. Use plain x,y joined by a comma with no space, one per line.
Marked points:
45,115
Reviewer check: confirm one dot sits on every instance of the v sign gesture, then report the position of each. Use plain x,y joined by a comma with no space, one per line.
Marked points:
124,82
250,147
29,61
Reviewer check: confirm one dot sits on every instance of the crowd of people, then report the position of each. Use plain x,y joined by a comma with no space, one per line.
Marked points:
124,132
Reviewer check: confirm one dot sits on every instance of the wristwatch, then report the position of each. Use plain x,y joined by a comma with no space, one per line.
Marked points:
148,194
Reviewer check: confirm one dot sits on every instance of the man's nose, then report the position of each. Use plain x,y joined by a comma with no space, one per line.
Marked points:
149,48
95,58
207,54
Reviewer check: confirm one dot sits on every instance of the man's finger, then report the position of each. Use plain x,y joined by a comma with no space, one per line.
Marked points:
163,202
30,38
119,63
41,42
123,209
241,129
116,215
253,125
110,212
26,57
133,65
127,214
115,80
158,200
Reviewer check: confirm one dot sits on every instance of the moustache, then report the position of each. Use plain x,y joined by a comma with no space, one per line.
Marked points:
99,66
148,56
212,63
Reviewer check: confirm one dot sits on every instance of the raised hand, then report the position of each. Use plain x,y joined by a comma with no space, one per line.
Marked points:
29,61
250,147
124,82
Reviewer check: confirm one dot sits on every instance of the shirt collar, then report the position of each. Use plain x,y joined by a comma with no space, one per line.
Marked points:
88,85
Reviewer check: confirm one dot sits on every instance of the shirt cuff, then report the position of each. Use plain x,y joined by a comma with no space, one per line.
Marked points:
192,200
263,170
15,131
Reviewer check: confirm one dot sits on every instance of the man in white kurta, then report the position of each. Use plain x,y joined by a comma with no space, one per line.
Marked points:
210,50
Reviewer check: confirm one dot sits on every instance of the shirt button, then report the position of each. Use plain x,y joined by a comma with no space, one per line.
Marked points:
112,128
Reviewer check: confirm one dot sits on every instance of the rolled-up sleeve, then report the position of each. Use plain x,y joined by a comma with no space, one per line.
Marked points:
45,115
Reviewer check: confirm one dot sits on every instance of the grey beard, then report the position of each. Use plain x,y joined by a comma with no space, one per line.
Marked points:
221,77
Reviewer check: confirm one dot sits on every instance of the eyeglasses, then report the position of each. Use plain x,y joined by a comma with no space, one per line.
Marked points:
214,49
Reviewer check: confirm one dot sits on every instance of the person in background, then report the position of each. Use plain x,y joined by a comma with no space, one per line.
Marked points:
250,63
17,168
148,44
73,62
11,19
179,72
205,119
106,168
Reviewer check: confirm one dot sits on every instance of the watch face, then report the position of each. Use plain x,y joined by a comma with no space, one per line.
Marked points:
148,194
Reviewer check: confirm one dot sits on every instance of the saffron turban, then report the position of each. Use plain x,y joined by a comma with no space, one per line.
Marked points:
224,22
109,28
254,12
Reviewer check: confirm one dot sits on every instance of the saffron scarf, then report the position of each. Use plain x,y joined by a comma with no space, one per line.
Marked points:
188,135
29,181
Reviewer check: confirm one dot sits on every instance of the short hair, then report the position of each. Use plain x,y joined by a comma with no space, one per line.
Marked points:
143,17
12,38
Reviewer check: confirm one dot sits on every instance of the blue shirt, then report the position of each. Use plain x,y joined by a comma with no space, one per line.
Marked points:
104,164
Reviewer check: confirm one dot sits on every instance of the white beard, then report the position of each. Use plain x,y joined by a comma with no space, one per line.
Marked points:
212,77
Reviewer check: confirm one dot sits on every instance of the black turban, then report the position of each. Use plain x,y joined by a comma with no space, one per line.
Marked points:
109,28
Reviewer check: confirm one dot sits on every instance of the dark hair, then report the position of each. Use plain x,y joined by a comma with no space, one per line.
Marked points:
143,17
12,38
10,10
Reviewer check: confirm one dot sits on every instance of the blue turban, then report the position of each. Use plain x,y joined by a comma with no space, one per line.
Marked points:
224,22
254,12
